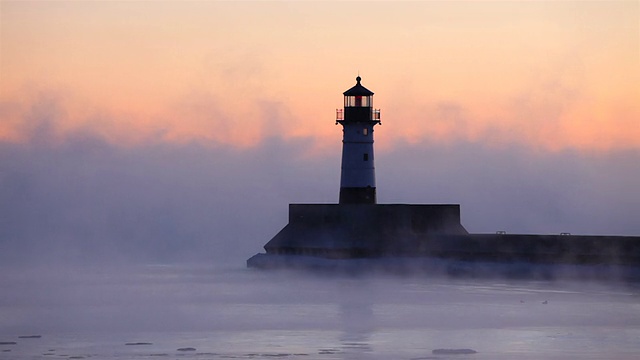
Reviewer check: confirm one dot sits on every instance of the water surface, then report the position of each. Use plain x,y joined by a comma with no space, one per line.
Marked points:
218,312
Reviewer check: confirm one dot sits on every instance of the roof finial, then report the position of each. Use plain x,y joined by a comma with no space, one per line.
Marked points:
358,78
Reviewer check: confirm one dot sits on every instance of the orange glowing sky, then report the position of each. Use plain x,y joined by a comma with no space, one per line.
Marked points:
551,75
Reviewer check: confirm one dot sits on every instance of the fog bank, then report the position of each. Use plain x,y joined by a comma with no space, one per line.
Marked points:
84,199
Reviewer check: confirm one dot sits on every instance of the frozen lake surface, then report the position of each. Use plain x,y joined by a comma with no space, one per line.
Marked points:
229,312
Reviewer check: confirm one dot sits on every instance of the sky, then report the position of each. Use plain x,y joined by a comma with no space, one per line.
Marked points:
129,125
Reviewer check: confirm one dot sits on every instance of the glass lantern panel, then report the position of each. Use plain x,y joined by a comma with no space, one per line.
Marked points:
357,101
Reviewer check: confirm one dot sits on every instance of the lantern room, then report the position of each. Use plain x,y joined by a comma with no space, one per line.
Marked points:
358,102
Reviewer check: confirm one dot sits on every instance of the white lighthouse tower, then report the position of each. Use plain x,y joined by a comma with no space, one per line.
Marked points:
358,178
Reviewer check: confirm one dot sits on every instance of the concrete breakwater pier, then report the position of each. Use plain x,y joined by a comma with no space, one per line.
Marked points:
431,238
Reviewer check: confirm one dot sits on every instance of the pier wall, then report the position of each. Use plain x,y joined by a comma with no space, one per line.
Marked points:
344,231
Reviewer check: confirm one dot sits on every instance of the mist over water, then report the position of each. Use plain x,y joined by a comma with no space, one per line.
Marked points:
233,312
84,200
101,246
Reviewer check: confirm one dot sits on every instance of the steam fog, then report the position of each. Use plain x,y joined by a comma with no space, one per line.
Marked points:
228,312
102,245
85,199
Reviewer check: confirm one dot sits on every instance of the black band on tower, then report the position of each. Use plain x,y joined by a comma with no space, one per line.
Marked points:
353,195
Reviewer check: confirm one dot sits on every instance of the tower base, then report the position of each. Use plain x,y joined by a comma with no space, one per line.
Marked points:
363,230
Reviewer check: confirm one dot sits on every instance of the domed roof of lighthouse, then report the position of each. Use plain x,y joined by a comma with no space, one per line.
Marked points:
358,90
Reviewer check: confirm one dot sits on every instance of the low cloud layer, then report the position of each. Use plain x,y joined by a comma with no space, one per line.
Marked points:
84,199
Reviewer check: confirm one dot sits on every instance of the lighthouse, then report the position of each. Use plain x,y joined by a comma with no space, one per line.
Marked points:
358,178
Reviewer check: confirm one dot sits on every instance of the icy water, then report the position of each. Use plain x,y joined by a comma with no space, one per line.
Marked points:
229,312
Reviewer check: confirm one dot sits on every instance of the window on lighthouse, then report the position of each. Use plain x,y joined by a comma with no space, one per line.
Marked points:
365,131
357,101
365,157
